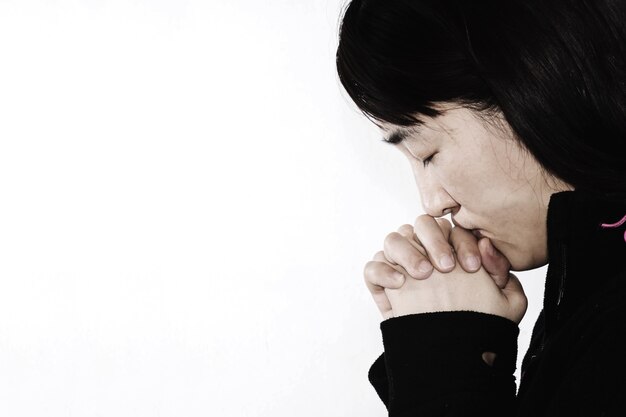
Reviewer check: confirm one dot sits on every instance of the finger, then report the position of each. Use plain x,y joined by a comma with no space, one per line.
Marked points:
380,273
433,235
376,278
380,257
495,263
465,245
380,299
407,231
445,226
398,250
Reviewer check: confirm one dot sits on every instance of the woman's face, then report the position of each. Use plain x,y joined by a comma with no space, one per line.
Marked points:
481,176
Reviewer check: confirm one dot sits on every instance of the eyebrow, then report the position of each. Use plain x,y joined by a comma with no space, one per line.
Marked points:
398,135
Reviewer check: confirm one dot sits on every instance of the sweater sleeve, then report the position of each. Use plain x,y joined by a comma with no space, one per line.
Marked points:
432,365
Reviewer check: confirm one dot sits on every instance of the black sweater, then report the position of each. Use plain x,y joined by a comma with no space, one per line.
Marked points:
576,363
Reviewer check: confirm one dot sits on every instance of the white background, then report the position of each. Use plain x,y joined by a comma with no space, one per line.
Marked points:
187,202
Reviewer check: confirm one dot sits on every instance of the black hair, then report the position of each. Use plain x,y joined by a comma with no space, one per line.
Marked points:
555,69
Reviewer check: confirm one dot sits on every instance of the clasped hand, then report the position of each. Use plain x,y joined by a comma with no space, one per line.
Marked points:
399,287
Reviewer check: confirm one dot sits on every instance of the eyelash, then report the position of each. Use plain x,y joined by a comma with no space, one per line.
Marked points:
426,161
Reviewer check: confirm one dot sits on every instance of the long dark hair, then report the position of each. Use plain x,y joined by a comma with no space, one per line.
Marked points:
554,69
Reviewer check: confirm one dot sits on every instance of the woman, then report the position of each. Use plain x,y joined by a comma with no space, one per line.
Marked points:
512,115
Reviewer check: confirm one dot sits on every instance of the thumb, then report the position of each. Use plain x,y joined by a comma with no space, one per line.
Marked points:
494,262
514,292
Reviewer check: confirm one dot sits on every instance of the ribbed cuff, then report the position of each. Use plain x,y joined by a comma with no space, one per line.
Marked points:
430,355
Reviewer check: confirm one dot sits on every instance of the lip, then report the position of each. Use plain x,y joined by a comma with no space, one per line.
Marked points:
479,233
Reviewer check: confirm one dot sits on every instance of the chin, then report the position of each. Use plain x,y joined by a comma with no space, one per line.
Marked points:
523,261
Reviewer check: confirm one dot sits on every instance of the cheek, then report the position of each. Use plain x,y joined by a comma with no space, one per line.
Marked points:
466,181
519,232
484,195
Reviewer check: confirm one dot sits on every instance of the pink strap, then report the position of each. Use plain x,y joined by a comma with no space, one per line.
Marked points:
613,225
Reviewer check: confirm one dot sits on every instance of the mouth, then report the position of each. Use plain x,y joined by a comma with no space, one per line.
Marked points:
477,233
457,224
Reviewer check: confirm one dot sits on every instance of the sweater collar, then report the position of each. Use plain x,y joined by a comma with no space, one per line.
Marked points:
582,253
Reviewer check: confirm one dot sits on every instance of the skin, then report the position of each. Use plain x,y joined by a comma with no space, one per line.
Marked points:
486,181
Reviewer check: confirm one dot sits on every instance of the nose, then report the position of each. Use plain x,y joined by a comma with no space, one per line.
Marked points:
435,199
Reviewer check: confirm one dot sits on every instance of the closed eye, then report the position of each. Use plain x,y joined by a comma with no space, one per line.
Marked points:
426,161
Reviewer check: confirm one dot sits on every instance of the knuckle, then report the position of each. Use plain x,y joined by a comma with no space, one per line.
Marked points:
379,256
422,219
371,271
391,238
377,276
405,229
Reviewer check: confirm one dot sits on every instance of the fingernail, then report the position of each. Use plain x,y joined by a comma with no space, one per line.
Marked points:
472,262
446,261
425,266
491,249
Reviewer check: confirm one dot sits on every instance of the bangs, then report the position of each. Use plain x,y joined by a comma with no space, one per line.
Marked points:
396,63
